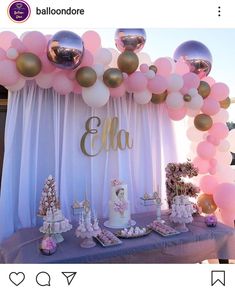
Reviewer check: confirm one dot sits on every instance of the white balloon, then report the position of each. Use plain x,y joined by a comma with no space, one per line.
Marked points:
231,139
194,134
175,82
103,56
144,58
193,92
196,102
18,85
224,146
99,69
45,80
142,97
150,74
115,55
12,53
221,116
192,113
97,95
175,100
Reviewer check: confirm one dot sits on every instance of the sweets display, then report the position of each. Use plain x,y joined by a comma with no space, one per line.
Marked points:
133,232
107,238
163,229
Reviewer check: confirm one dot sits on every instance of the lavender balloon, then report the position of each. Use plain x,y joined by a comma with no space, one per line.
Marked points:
197,55
132,39
65,50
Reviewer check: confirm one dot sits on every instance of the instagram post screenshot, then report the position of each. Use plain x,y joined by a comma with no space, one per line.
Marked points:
117,144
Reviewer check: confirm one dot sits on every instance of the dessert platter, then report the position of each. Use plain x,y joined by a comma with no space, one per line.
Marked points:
163,229
133,232
107,238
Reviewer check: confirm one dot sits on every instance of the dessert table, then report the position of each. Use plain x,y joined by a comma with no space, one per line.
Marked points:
199,243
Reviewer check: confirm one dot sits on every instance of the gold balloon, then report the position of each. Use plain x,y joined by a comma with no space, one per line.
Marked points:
203,122
28,64
225,103
159,98
206,203
113,77
86,76
128,62
153,68
187,97
204,89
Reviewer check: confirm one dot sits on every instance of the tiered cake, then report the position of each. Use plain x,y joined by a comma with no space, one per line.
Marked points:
119,207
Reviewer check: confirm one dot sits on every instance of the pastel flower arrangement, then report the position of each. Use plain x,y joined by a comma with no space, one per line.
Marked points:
175,185
120,206
115,182
48,245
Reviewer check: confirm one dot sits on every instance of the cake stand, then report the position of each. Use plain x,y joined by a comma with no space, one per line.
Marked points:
88,238
111,226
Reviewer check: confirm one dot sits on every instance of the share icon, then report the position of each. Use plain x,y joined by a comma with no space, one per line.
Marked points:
69,276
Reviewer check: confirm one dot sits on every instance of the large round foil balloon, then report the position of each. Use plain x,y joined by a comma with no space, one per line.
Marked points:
132,39
197,55
65,50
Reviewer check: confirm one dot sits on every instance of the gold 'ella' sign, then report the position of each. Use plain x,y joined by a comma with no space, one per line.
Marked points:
110,137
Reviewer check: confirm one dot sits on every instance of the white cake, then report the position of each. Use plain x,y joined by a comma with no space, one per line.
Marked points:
119,207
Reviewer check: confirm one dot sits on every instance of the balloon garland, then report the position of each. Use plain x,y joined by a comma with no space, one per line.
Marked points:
69,63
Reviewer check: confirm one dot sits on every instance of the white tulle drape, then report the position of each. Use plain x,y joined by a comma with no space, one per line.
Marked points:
42,137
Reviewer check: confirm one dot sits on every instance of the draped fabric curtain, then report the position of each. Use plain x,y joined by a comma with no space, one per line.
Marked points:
42,137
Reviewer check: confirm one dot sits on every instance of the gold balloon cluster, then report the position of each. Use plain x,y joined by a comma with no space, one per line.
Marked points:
113,77
28,64
203,122
86,76
206,203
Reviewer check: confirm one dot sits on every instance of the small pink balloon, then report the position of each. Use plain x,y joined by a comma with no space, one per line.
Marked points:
118,92
77,88
202,165
158,84
181,67
177,114
44,80
35,42
144,68
219,130
46,64
18,85
224,196
191,80
164,66
136,82
62,84
92,41
227,217
210,106
219,91
212,139
208,184
18,45
2,54
206,150
8,73
87,59
212,170
209,80
125,75
213,162
6,38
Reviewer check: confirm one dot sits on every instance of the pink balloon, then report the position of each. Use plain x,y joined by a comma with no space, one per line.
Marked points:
144,68
191,80
6,38
77,88
91,40
209,80
2,54
202,165
35,42
213,162
136,82
221,116
46,64
212,170
215,141
206,150
194,134
227,217
44,80
219,91
8,73
219,130
224,196
62,84
210,106
18,85
87,59
164,66
118,92
224,158
158,84
181,68
18,45
208,184
177,114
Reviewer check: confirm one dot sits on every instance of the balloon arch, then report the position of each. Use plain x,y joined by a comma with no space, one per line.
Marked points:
70,63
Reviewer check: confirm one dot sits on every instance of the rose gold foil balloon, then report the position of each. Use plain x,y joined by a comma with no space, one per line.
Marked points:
132,39
65,50
197,55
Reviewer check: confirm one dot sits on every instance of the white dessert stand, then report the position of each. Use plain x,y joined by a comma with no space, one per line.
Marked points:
88,238
129,224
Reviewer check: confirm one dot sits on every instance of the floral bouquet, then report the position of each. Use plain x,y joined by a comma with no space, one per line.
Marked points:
120,206
115,182
48,246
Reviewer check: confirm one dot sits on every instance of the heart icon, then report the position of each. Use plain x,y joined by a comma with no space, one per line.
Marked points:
17,278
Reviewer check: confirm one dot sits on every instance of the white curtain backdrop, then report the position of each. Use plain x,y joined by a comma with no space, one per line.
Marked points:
42,137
